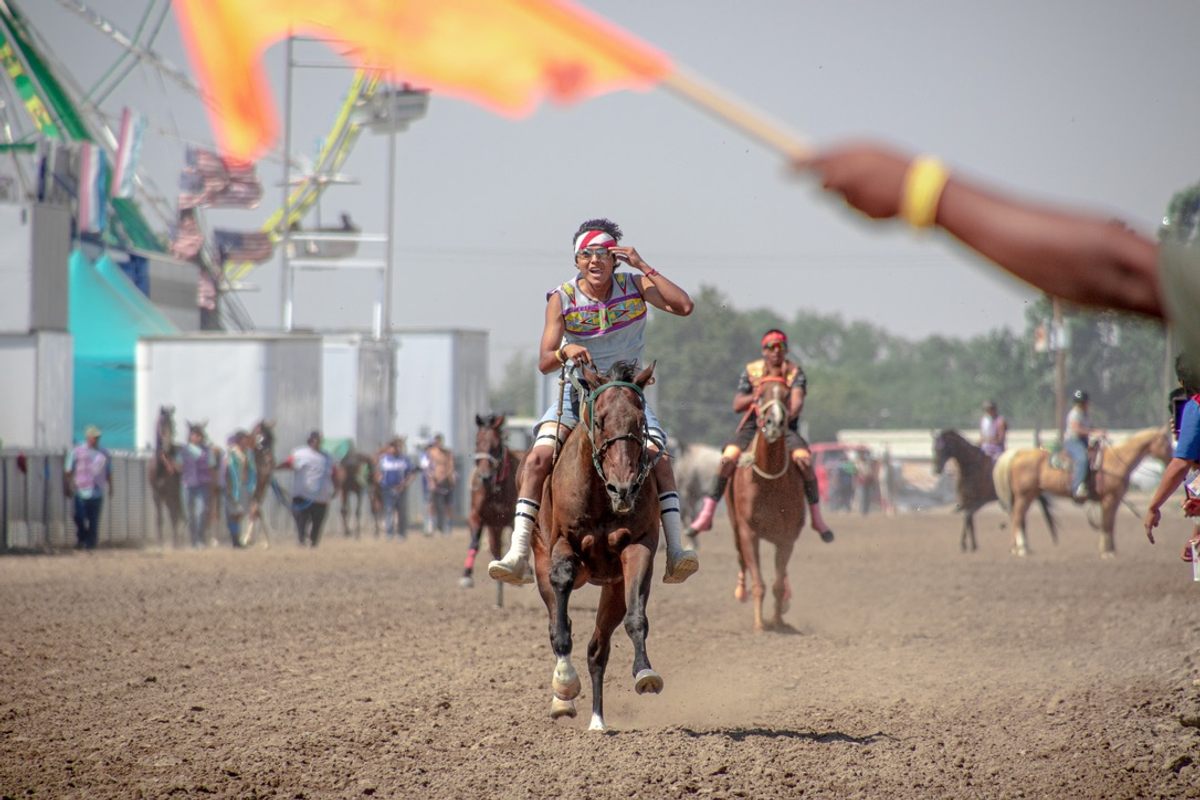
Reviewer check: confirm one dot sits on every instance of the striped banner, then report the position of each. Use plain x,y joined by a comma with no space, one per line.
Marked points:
93,168
129,147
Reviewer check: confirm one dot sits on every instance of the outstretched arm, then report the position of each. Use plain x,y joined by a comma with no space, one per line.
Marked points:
1080,257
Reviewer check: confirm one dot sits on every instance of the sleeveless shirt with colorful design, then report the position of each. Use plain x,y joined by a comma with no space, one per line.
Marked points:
613,330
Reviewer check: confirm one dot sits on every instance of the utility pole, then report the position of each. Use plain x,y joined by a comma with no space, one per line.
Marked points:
1060,367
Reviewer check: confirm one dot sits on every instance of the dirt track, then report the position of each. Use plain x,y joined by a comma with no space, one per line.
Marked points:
361,669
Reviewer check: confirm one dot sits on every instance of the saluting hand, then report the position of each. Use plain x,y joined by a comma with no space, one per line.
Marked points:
630,256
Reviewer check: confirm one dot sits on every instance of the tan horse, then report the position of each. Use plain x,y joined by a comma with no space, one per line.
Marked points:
766,503
1021,475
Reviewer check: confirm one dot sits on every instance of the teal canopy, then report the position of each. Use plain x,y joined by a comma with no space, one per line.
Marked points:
107,315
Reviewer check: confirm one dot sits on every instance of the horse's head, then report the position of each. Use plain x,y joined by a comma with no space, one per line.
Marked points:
941,451
165,429
771,406
264,436
489,446
615,414
1160,445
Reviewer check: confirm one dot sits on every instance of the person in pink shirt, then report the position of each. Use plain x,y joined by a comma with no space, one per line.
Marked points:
87,476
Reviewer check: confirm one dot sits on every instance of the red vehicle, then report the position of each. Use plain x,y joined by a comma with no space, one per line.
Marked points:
828,461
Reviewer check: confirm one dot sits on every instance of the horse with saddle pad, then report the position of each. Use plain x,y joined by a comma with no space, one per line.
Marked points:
493,493
975,487
766,503
1022,475
599,524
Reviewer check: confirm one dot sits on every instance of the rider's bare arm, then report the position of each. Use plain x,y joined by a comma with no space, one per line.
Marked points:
795,402
659,290
552,333
741,402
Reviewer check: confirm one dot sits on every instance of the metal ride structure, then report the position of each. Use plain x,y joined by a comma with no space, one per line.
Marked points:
41,102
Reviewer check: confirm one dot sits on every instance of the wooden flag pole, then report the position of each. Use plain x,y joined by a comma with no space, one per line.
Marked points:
736,113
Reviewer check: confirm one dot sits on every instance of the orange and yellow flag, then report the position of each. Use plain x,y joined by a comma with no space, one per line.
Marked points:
504,54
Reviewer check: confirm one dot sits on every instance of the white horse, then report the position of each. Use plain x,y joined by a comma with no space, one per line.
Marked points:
695,468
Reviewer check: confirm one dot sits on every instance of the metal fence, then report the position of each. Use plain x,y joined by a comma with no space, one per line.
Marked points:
35,514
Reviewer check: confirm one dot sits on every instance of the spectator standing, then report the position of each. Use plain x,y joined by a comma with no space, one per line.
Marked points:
87,476
312,488
395,472
238,480
199,472
438,465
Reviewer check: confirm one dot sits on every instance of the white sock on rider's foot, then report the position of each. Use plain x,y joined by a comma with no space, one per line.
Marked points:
672,522
523,520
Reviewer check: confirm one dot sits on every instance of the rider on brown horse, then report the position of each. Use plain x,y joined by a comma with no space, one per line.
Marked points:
601,315
774,360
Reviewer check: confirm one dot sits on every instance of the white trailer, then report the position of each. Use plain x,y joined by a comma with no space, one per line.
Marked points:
232,381
36,405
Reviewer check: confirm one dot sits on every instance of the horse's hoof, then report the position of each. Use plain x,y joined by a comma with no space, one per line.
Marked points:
648,681
562,708
739,593
466,582
565,682
597,724
1107,555
1020,552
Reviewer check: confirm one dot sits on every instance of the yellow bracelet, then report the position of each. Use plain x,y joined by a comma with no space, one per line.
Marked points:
923,185
560,355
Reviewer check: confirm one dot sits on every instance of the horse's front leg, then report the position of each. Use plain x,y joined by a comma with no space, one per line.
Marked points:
748,548
564,567
781,590
1108,523
637,562
608,617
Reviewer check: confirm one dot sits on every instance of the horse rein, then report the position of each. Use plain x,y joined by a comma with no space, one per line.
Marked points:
645,462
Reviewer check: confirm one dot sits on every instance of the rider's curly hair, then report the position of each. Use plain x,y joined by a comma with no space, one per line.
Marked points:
600,224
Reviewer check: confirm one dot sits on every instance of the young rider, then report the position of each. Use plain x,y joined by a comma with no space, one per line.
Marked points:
597,319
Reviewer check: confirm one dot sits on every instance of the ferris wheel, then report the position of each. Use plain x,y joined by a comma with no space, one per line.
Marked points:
44,104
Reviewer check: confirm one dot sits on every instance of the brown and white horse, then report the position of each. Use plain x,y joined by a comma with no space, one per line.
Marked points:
493,493
975,487
766,503
1021,475
263,437
599,524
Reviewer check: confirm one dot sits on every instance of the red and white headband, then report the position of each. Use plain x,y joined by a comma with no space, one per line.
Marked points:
593,239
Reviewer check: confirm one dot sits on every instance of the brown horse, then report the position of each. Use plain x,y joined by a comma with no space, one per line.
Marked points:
353,478
1021,475
766,502
493,493
164,475
263,436
599,524
975,486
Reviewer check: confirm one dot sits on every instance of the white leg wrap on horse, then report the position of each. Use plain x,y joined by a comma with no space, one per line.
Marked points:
680,563
565,683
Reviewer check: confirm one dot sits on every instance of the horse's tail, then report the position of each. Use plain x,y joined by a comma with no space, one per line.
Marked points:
1002,479
1044,500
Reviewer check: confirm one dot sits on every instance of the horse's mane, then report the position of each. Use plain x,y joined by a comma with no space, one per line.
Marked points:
621,371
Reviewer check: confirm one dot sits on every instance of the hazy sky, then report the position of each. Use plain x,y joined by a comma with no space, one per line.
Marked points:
1090,103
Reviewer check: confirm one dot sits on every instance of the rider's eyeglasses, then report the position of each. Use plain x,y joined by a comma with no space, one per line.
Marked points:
598,252
776,346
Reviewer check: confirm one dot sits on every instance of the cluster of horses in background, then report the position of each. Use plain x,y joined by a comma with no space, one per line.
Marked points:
1020,477
353,479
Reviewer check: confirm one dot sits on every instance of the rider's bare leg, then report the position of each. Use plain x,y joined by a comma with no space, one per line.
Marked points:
681,563
704,519
514,566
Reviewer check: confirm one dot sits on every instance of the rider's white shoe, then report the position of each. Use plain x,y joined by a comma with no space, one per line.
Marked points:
681,564
513,568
